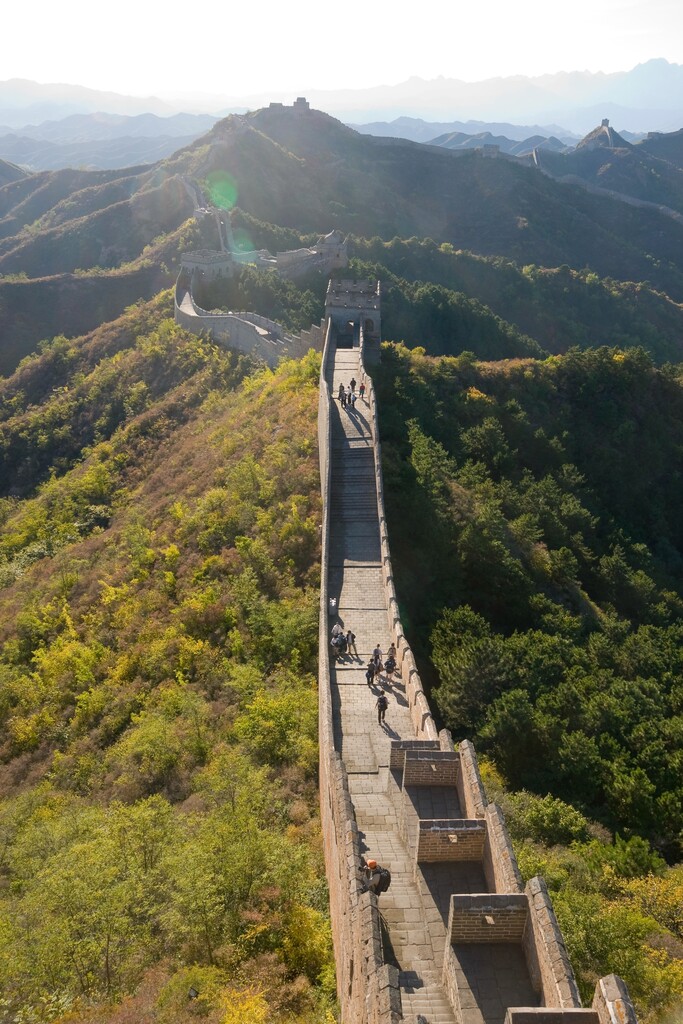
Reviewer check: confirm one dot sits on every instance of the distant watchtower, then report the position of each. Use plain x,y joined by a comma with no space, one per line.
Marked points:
605,122
354,307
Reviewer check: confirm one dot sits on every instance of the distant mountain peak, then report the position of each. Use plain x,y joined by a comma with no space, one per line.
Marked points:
604,137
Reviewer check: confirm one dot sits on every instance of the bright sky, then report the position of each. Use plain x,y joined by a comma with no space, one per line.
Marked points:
144,47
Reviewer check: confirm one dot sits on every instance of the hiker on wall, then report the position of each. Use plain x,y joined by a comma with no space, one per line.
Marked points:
381,704
375,878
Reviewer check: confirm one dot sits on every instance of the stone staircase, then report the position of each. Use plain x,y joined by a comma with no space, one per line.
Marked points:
412,928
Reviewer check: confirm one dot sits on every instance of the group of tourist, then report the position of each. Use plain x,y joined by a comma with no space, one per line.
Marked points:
343,642
376,666
374,877
347,395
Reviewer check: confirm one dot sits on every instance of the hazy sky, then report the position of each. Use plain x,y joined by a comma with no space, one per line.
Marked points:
144,47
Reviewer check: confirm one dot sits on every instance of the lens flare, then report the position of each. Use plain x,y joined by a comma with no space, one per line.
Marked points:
243,241
222,189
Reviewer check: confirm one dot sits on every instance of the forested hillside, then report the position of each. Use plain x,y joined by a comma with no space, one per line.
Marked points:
158,634
545,601
451,300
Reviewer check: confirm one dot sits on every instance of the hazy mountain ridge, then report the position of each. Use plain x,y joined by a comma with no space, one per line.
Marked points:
418,130
647,96
9,172
651,170
121,152
458,140
101,140
308,173
23,101
103,127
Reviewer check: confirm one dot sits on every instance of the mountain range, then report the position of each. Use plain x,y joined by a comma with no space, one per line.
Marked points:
77,247
646,98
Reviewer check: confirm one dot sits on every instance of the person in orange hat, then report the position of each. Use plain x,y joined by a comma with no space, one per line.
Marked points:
375,878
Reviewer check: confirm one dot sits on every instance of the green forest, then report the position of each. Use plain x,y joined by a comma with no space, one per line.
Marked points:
546,610
160,855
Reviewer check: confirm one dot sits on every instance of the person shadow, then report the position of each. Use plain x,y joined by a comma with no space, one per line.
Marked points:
397,687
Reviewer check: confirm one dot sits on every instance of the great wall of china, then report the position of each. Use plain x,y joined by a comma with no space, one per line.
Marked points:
458,938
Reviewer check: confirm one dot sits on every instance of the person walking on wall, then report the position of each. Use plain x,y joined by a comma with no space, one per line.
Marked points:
348,397
382,704
351,641
352,384
361,389
370,673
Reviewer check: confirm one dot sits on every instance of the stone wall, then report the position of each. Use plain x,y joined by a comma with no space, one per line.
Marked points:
499,861
612,1002
430,768
450,839
489,917
367,988
245,331
470,787
546,955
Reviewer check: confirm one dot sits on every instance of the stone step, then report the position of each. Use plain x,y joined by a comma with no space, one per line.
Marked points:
353,501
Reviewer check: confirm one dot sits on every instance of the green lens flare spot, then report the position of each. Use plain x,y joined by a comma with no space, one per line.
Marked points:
243,241
222,189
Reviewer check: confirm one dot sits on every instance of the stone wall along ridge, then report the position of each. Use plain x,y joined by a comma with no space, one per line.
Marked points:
367,987
245,331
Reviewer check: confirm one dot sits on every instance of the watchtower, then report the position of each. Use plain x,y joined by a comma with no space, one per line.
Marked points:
354,308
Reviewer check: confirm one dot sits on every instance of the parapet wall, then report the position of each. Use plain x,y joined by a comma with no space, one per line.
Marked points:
612,1003
546,954
499,862
422,718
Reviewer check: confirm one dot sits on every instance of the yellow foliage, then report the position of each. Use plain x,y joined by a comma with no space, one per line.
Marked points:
307,942
475,395
659,897
247,1006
